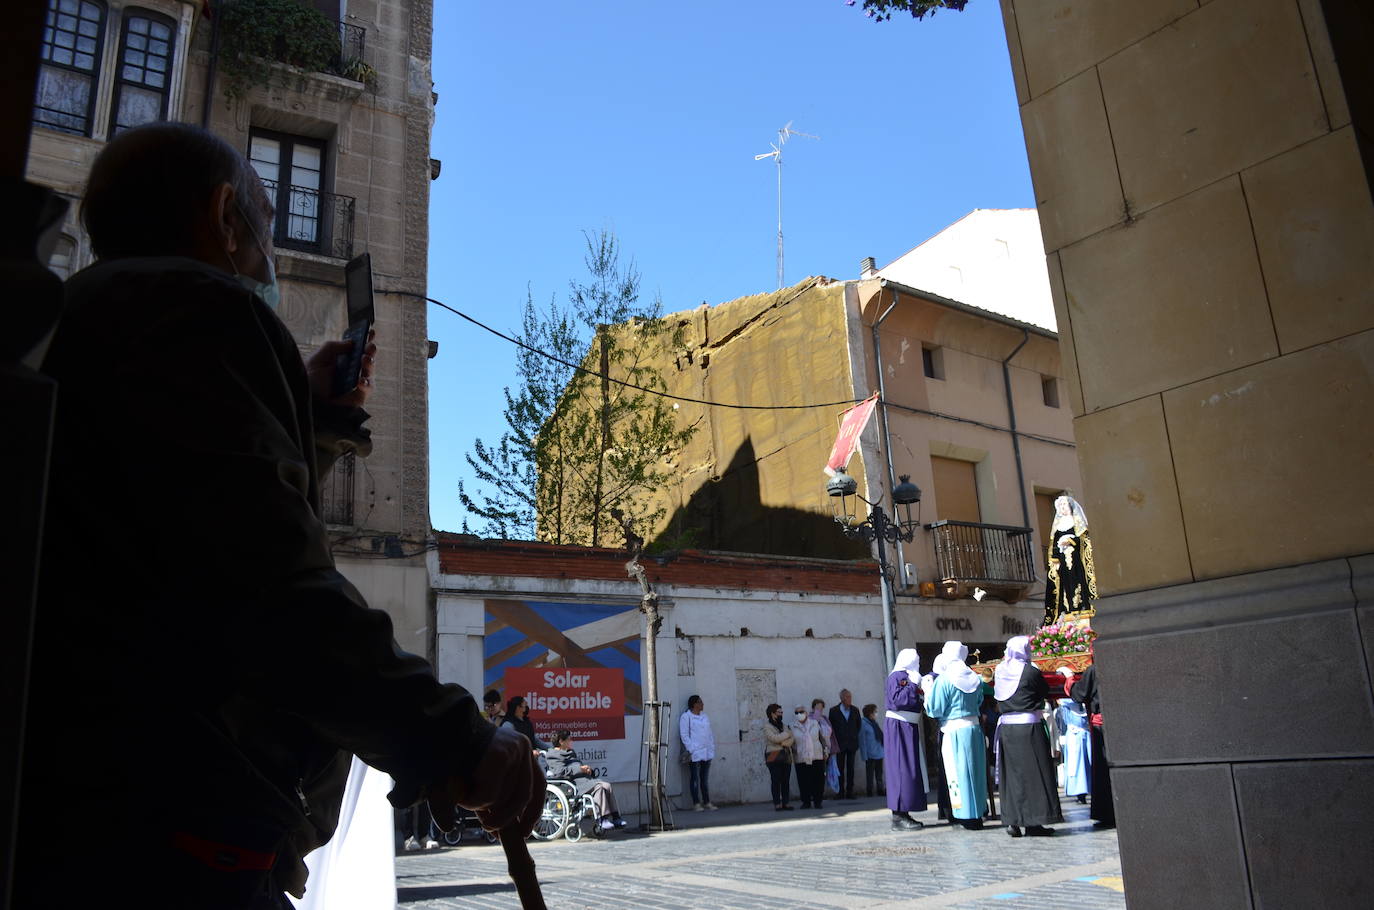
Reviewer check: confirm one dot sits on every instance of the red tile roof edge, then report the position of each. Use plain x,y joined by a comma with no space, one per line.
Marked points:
461,554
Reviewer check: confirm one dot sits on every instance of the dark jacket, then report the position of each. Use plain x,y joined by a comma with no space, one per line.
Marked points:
201,670
1084,691
525,727
846,731
565,765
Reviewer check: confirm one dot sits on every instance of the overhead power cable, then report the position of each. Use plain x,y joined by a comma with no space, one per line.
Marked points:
721,404
621,382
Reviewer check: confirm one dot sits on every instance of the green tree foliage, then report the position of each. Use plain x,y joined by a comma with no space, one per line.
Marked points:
256,33
579,444
882,10
508,502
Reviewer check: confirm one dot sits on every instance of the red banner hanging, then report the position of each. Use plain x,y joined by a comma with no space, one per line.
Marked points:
847,442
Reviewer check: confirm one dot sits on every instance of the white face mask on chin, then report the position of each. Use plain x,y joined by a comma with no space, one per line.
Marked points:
269,292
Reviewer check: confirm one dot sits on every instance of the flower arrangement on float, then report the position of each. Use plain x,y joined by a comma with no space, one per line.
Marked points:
1064,644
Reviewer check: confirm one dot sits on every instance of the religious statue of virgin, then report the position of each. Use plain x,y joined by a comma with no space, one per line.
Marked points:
1071,584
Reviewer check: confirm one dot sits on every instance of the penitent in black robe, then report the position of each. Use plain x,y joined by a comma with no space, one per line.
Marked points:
1029,787
1084,691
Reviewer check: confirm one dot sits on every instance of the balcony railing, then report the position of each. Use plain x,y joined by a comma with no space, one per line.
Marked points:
312,221
993,555
261,32
352,42
336,495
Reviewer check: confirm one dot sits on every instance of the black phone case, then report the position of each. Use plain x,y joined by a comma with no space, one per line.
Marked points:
348,367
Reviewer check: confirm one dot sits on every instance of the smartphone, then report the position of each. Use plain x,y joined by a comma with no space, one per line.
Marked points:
348,367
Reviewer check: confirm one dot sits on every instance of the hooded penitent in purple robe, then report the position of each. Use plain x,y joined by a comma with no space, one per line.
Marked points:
904,767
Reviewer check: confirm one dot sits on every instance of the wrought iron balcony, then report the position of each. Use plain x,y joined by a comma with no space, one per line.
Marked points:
312,221
336,493
967,553
352,43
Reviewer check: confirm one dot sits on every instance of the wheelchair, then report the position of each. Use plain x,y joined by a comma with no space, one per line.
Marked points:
566,813
468,826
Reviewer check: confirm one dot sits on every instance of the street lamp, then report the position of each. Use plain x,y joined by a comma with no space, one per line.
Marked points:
880,528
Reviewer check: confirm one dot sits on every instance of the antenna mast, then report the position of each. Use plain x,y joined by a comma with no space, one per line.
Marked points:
783,135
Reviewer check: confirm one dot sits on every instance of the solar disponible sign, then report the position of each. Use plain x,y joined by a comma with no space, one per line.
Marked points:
589,701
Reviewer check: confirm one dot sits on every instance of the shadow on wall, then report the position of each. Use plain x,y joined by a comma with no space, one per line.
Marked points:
728,514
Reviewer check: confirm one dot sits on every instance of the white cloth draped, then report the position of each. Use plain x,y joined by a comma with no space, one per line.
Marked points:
356,870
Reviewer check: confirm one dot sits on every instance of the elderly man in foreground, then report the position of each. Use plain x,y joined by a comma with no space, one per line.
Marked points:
202,672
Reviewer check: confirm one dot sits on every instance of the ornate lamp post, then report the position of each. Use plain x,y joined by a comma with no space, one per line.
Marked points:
882,529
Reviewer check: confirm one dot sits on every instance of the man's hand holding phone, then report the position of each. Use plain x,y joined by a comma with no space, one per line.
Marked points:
341,371
322,365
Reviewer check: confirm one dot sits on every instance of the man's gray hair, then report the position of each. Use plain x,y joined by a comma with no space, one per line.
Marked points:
149,186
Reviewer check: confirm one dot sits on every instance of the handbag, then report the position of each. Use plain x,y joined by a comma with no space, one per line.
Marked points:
772,756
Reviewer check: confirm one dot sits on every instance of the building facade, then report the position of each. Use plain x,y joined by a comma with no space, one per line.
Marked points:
972,410
343,149
740,631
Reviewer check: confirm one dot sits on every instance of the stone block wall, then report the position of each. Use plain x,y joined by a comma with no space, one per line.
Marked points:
1202,176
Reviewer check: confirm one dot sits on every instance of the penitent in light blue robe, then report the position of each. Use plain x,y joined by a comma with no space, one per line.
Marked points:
1072,722
964,750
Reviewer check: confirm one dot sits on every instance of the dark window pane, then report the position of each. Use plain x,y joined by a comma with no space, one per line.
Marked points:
63,256
63,100
72,35
137,106
145,59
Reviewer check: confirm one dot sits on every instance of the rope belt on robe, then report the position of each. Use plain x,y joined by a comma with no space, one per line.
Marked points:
1020,717
958,723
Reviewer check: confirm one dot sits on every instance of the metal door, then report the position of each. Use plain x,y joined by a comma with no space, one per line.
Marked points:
755,690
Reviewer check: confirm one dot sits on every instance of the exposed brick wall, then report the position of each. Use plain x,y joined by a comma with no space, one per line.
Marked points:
465,555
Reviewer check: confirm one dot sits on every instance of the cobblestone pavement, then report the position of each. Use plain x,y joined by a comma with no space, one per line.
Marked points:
752,857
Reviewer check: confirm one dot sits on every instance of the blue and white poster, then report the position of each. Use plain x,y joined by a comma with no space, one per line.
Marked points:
530,635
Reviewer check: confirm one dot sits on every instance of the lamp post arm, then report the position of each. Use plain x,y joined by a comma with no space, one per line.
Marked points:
889,606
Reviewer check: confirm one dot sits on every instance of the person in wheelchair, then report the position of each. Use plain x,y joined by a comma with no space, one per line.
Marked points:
565,765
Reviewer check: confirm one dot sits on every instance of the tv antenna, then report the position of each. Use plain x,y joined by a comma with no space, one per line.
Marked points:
783,135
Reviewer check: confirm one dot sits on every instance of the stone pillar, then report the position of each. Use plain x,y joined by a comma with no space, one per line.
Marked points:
1202,175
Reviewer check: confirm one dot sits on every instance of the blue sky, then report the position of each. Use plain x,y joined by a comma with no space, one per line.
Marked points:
643,117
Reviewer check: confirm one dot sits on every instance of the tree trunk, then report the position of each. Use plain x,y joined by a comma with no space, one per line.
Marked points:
653,709
605,434
653,712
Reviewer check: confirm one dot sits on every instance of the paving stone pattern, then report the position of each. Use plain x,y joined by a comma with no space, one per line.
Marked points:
752,857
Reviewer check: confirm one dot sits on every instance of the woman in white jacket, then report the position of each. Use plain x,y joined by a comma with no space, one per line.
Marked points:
700,747
811,751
